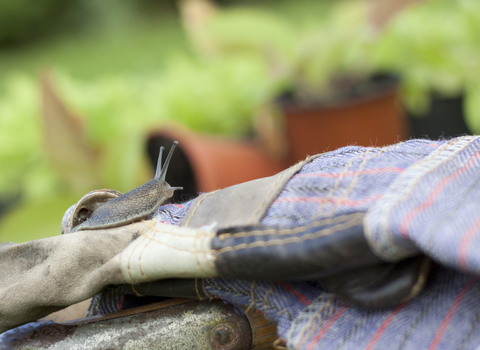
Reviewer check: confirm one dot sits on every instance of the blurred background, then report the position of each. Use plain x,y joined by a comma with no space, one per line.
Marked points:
89,90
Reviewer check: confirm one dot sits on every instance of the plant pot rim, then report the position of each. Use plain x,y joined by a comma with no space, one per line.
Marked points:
219,161
385,86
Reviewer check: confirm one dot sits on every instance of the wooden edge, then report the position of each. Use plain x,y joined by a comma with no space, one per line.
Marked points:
136,310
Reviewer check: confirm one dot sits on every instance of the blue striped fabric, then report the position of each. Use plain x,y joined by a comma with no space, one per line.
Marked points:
445,316
419,195
433,207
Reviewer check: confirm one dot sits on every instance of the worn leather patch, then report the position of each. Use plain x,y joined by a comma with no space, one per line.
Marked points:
242,204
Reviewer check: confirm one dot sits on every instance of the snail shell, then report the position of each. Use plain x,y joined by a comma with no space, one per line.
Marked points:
84,208
109,208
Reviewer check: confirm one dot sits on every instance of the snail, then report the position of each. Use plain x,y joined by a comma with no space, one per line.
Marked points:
109,208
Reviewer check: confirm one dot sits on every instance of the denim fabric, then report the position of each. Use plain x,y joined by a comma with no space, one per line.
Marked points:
348,180
171,213
446,315
419,195
279,301
433,207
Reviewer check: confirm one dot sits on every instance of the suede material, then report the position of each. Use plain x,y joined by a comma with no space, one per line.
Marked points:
43,276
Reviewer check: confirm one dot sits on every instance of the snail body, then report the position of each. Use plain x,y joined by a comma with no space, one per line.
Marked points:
135,204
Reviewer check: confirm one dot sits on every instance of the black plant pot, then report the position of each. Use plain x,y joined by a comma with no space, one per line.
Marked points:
445,119
7,203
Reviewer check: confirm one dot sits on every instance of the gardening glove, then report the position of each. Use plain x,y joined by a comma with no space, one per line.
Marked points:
408,184
332,249
348,183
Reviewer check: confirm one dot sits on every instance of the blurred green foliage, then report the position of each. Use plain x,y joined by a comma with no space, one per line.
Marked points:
22,159
206,96
127,71
103,59
435,47
113,40
302,57
22,21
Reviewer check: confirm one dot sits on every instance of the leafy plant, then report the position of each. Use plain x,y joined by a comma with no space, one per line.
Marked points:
434,46
117,112
252,55
302,59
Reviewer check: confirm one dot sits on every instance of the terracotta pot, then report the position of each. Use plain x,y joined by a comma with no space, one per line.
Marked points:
204,163
375,120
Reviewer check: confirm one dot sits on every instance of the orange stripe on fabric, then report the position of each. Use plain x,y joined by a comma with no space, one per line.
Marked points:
353,173
448,317
346,202
326,326
303,299
418,209
384,326
463,246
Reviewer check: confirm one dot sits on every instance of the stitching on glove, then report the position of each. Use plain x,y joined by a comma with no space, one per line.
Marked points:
265,198
336,309
314,319
140,259
252,295
198,204
199,232
141,253
197,259
130,256
297,229
356,176
265,299
428,158
375,171
389,243
290,172
356,328
176,248
445,181
151,239
432,301
281,242
330,197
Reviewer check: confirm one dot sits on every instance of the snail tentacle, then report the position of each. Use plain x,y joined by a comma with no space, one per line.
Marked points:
133,205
